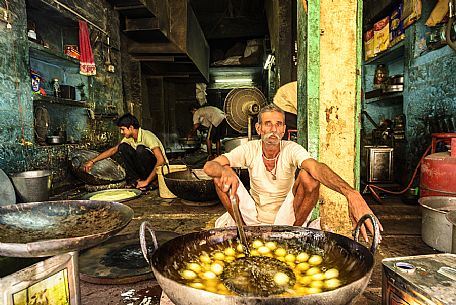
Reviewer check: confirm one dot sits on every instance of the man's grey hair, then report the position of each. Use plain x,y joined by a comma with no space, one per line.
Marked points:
270,108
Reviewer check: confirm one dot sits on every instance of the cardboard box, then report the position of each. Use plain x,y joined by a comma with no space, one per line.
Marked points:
381,35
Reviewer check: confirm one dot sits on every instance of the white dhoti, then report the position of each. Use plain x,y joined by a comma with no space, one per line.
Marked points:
247,206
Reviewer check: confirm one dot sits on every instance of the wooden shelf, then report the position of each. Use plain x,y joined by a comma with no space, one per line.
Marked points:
60,101
388,56
54,57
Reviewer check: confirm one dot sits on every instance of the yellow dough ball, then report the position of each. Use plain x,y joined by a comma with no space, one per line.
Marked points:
219,256
230,252
257,243
188,274
305,280
197,285
315,260
313,290
313,270
302,257
331,273
229,259
217,268
332,283
271,245
208,275
194,267
280,252
303,266
290,257
254,252
318,277
240,248
316,284
205,259
281,279
263,250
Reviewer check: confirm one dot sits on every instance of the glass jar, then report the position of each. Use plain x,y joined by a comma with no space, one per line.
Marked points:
380,76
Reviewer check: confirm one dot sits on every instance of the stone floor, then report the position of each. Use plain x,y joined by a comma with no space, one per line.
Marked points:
401,237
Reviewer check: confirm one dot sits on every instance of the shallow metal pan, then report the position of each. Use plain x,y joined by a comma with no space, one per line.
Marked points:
136,191
47,228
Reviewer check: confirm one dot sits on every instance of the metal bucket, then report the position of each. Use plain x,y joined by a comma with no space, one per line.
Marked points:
436,230
32,185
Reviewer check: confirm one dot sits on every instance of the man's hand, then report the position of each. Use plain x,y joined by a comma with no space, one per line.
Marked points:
357,208
228,180
141,184
88,166
224,176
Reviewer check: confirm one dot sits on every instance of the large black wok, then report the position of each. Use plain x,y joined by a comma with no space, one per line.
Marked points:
104,172
191,185
355,260
49,228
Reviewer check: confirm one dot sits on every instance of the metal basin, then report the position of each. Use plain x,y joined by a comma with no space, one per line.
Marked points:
356,261
436,230
191,186
49,228
231,144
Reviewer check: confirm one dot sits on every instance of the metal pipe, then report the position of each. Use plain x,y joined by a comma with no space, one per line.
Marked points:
451,14
80,16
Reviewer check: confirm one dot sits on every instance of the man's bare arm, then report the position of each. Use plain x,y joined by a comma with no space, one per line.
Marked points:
356,204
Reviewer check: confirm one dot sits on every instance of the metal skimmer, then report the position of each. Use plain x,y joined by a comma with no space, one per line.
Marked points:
255,275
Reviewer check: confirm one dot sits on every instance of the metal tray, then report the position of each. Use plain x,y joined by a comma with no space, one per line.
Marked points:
136,191
48,228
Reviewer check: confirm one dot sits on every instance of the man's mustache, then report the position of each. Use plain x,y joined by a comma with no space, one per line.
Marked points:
271,135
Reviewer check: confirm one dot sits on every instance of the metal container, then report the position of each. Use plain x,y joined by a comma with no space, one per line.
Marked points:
233,143
436,230
68,92
451,217
423,279
55,140
438,170
379,164
32,185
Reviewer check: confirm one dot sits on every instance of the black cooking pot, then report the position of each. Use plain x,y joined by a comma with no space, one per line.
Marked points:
190,141
356,260
189,185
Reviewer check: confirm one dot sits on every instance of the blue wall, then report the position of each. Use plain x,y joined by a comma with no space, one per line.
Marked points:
430,90
18,149
429,94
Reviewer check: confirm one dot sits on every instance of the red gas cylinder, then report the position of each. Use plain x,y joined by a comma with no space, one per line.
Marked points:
438,170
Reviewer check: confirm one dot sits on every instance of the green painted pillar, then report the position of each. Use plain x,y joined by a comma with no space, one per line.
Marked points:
329,95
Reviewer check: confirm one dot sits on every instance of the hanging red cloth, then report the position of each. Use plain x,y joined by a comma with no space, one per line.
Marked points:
87,63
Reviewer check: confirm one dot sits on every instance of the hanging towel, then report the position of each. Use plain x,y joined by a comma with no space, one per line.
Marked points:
87,64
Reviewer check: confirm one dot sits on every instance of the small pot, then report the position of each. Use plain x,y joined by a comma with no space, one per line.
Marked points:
190,141
55,140
397,80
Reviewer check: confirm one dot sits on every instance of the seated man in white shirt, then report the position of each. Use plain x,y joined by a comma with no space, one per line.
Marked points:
276,197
